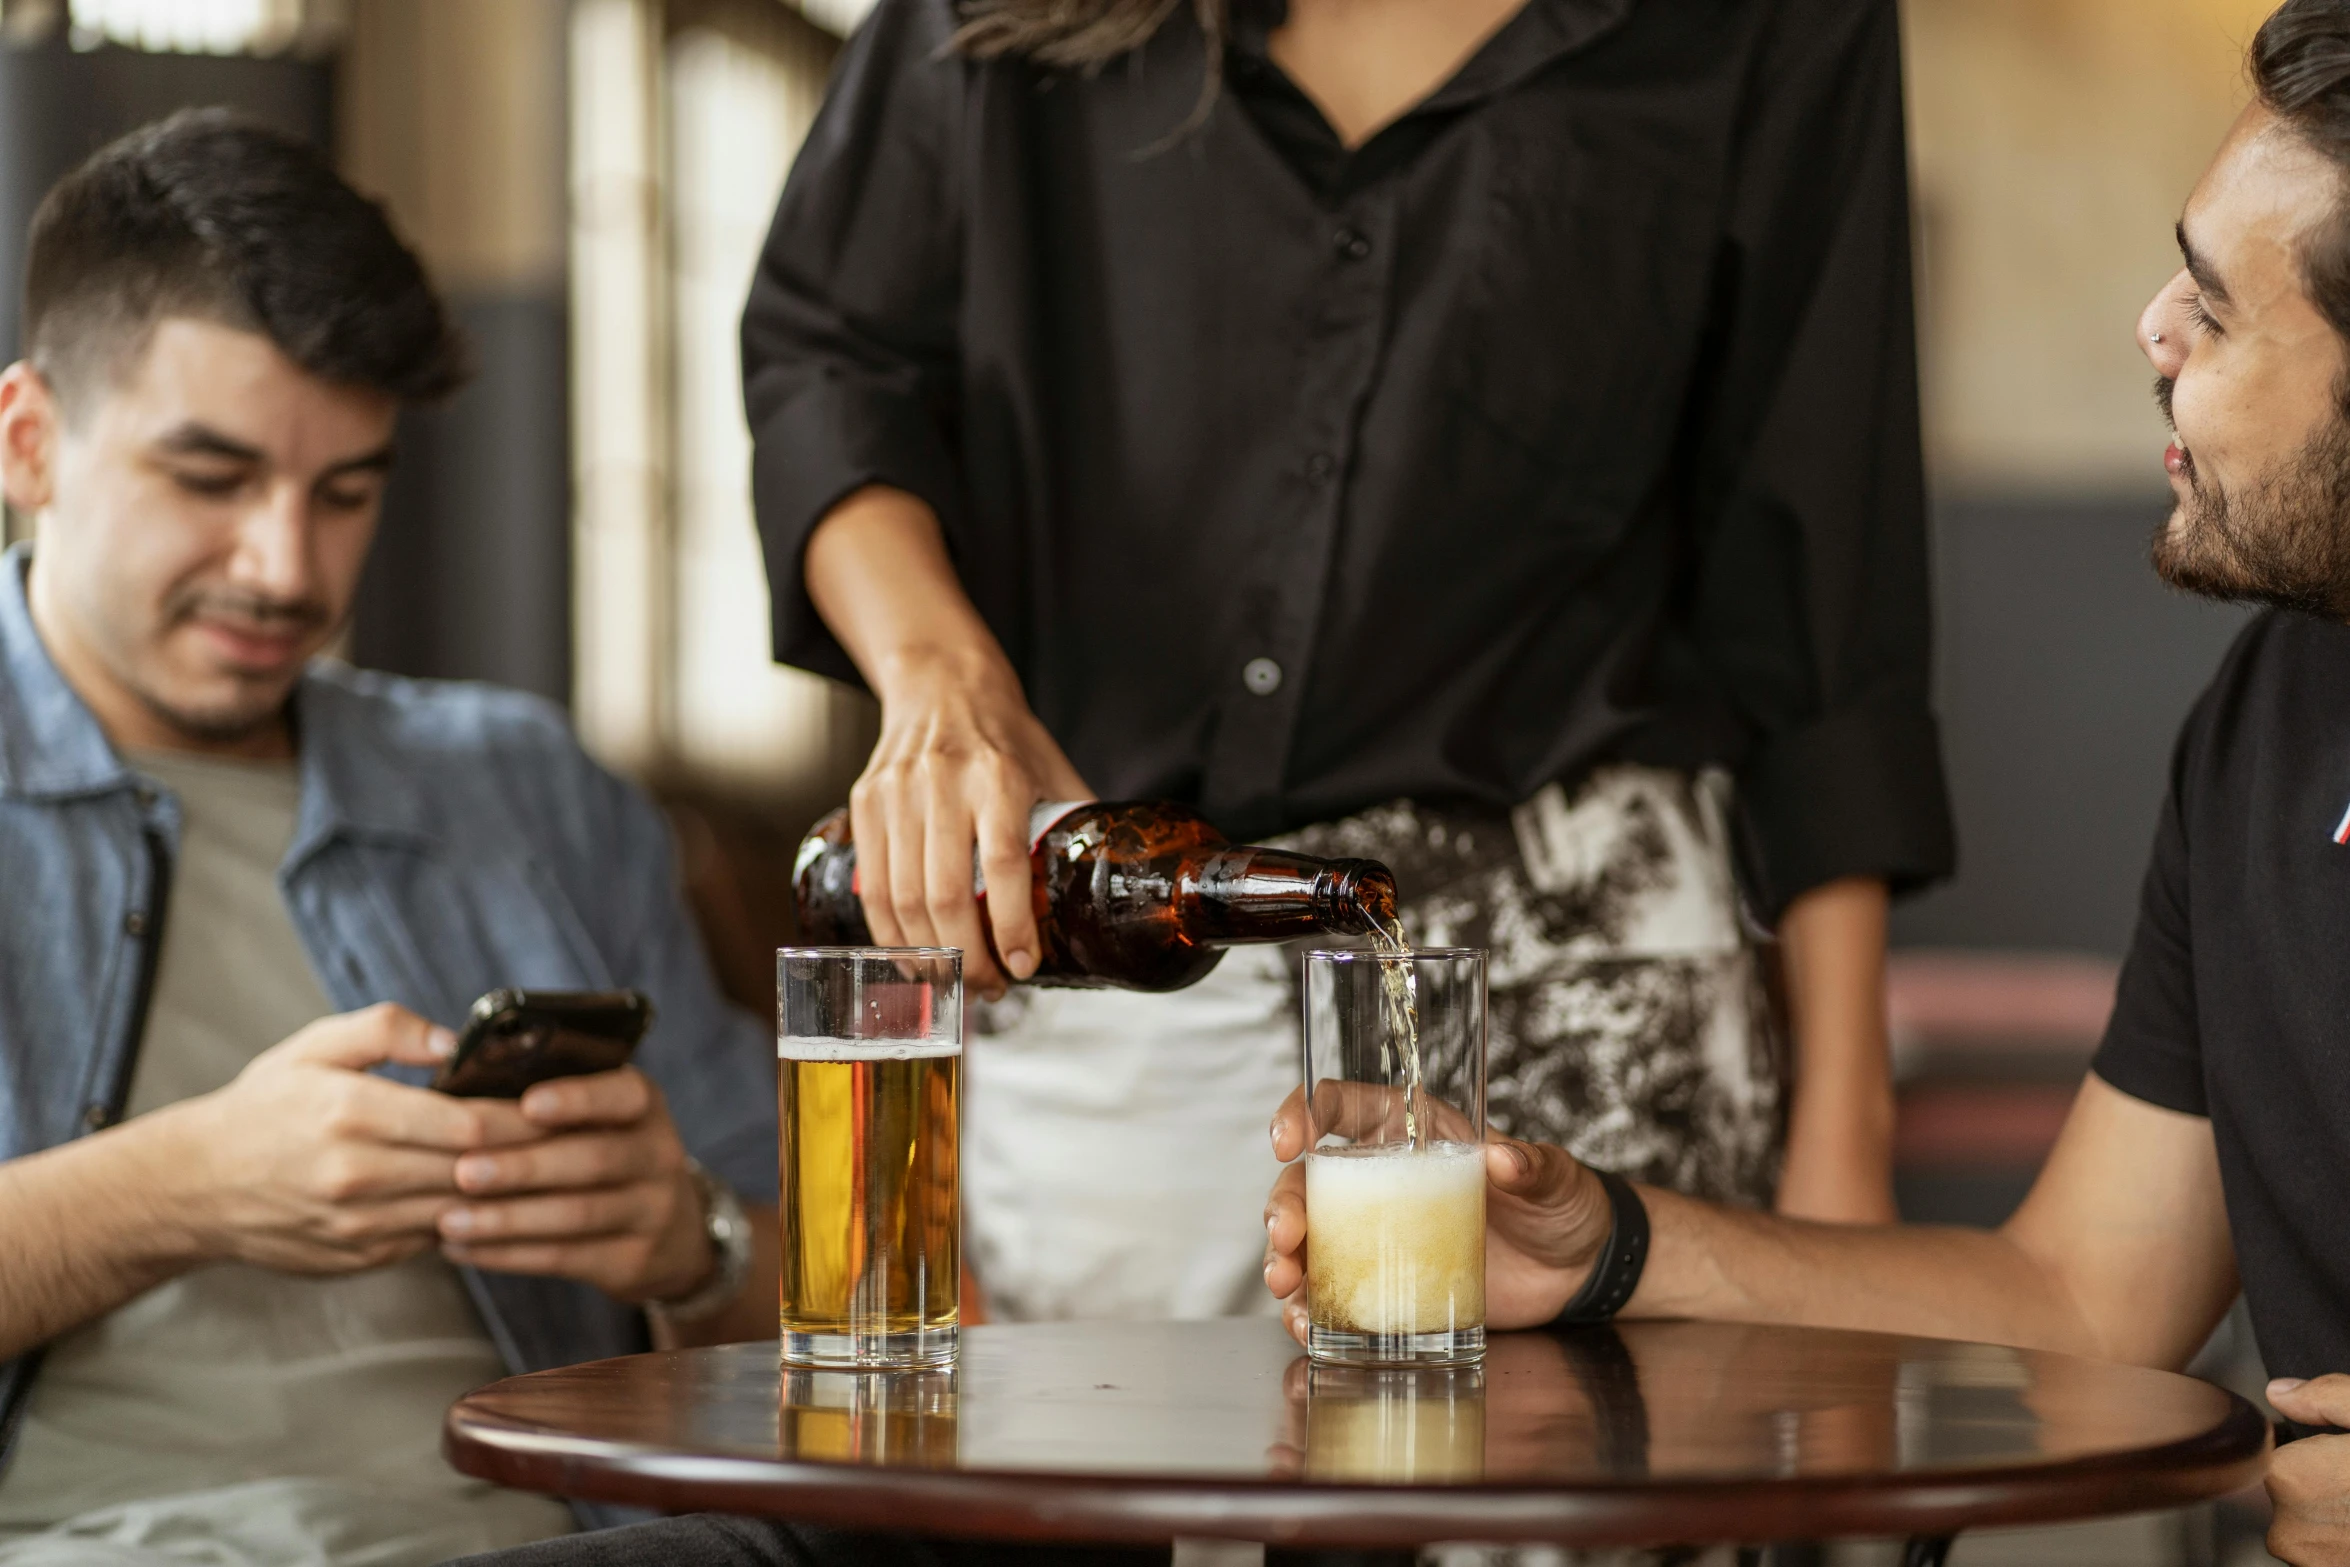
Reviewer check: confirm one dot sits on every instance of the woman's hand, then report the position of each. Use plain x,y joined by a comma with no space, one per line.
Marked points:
961,760
960,764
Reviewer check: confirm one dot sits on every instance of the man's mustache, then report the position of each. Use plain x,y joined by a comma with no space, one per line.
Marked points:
2163,386
270,615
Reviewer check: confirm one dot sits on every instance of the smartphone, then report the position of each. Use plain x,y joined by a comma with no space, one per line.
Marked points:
514,1038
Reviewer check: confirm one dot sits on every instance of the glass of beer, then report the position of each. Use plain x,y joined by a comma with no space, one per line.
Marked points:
1395,1170
869,1095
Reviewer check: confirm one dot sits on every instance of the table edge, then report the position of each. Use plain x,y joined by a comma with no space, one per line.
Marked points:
1049,1506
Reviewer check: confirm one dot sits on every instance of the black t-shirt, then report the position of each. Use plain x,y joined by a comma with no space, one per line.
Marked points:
1572,417
2235,1000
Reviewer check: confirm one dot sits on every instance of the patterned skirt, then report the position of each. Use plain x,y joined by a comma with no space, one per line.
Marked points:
1629,1022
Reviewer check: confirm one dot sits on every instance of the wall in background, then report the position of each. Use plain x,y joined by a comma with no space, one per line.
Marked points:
2065,667
452,112
2054,142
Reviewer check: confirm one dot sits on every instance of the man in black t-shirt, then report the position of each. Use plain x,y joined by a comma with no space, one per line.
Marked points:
2211,1144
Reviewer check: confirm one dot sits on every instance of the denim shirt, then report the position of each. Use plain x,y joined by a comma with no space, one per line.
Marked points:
451,839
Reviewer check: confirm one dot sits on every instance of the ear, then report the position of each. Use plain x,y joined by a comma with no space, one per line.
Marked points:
28,437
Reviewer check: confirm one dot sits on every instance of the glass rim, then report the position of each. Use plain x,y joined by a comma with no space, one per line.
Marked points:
870,952
1361,954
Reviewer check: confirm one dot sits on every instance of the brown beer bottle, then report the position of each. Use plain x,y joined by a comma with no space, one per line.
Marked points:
1141,895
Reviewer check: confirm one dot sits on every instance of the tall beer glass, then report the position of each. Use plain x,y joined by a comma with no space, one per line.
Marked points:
869,1095
1395,1172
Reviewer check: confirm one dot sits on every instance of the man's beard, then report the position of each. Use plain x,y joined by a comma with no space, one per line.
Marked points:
2284,539
260,704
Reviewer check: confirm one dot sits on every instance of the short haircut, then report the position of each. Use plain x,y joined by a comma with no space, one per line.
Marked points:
213,215
2301,69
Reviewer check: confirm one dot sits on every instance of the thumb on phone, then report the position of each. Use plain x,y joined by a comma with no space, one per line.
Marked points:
357,1040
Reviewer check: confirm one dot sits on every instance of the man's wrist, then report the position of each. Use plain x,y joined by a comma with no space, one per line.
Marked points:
723,1232
1614,1274
146,1200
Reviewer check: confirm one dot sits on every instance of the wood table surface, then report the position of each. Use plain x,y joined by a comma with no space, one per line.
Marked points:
1648,1433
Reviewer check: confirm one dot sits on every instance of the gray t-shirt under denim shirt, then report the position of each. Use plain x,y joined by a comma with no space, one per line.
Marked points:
236,1414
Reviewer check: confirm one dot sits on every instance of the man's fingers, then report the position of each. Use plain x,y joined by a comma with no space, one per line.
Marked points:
383,1032
2316,1401
621,1097
1534,1171
1285,1210
575,1159
583,1215
1292,1129
1285,1232
364,1226
362,1177
1003,862
1363,1112
550,1259
370,1109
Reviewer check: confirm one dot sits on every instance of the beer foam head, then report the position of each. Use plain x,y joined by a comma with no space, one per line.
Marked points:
801,1048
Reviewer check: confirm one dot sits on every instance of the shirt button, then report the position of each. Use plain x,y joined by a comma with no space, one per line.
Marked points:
135,922
1320,467
95,1118
1261,675
1353,244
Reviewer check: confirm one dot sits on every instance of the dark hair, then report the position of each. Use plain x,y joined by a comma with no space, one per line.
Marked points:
1087,34
2301,69
214,215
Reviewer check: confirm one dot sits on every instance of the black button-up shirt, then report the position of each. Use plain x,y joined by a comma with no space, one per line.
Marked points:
1572,417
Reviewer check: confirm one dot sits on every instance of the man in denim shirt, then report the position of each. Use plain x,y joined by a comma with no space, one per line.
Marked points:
243,895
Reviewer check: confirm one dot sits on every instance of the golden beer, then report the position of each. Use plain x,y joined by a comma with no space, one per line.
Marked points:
872,1240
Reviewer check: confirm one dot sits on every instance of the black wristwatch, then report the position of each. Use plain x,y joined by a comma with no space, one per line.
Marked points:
1617,1272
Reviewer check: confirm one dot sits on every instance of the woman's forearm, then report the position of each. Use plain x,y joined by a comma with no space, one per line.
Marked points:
1840,1128
878,571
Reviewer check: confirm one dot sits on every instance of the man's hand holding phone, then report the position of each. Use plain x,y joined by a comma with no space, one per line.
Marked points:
307,1163
600,1194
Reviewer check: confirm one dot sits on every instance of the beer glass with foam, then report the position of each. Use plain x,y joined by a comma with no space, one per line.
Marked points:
869,1095
1395,1172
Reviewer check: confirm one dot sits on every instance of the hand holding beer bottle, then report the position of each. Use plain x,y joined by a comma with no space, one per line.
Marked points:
961,759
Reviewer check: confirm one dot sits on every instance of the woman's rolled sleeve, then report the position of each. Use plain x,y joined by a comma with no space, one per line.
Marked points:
849,337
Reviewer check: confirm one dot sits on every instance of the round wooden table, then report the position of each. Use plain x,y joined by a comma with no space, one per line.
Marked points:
1649,1433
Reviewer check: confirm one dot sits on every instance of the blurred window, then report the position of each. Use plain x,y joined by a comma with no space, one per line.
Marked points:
685,121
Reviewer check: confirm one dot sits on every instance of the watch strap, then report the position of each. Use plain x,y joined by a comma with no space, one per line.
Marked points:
1616,1273
728,1230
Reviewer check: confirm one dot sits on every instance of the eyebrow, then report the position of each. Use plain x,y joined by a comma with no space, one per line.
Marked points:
2199,268
200,440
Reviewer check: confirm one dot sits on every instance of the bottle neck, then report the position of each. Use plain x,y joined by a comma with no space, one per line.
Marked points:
1229,896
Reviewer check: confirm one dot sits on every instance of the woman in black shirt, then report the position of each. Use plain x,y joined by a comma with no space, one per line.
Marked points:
1481,432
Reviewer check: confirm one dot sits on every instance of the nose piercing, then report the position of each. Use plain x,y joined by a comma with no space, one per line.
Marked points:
2154,337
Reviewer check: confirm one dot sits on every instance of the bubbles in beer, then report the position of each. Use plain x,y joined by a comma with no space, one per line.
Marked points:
1398,1242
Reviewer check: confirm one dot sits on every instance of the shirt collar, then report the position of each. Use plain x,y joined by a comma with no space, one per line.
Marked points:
355,783
53,748
1541,32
